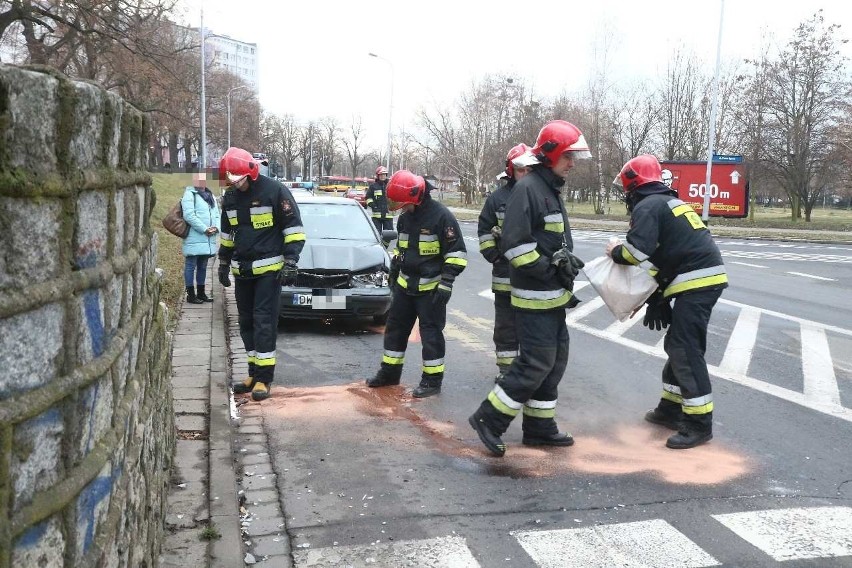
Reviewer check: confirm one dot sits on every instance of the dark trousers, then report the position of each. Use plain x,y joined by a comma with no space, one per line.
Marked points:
382,224
505,335
195,268
258,301
403,312
686,382
533,379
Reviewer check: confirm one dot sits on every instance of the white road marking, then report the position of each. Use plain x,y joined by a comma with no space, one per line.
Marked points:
443,552
621,327
792,256
748,264
820,381
644,544
741,343
795,534
812,276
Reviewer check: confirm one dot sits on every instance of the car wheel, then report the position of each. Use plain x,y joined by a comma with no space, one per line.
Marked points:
381,319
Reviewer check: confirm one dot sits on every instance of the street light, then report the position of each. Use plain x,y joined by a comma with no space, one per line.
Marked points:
390,110
229,110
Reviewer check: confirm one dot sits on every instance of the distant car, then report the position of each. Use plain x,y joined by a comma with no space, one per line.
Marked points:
343,269
359,194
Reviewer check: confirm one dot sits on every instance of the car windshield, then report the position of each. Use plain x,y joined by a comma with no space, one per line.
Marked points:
335,221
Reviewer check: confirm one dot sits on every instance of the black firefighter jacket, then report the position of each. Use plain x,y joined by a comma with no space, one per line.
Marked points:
669,240
376,199
534,228
492,215
261,228
430,246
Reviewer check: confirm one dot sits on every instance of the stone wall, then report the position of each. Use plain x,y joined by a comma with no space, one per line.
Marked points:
86,426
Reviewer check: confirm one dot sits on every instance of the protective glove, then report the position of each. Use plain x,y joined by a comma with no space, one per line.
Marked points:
288,273
396,263
442,294
567,267
658,315
497,232
224,275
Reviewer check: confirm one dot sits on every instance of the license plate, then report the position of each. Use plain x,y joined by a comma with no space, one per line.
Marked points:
303,299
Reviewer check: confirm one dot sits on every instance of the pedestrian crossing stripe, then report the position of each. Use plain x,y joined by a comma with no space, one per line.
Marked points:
795,534
643,544
442,552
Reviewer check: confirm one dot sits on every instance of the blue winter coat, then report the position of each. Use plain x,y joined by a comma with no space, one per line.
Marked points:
199,215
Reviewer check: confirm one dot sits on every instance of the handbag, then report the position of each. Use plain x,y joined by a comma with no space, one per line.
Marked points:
623,288
174,222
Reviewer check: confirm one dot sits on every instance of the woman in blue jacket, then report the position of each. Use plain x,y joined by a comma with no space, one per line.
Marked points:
201,212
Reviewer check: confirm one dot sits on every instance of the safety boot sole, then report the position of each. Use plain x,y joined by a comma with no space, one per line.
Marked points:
242,387
533,441
493,442
424,392
258,394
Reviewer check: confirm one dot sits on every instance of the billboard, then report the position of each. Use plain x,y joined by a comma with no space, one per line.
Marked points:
728,189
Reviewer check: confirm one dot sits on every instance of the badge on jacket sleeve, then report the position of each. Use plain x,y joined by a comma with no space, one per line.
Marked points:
286,206
451,234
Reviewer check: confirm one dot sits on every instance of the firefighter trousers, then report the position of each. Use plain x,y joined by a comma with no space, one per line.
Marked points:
404,310
383,223
258,301
531,385
686,382
505,335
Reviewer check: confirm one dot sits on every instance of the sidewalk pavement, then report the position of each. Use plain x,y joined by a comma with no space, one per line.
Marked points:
223,503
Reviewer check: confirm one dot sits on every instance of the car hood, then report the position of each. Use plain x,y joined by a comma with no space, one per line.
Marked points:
341,255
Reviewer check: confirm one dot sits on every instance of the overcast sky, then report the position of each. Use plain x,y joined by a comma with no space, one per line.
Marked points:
314,62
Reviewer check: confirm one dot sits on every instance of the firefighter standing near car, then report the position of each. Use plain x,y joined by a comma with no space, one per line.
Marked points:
430,254
536,240
489,230
377,201
669,240
261,239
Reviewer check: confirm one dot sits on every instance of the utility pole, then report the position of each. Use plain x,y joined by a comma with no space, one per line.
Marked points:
203,150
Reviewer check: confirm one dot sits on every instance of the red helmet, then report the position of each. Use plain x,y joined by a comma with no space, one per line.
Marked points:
638,171
235,165
381,170
558,137
404,187
514,153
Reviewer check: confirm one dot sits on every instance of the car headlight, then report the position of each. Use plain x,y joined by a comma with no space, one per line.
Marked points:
376,277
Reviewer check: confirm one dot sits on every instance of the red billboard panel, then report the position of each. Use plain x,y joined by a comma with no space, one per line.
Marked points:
728,191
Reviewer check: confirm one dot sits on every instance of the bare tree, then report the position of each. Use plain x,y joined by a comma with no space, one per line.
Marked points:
678,97
352,144
327,140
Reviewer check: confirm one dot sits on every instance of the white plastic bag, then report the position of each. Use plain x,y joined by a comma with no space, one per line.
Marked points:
622,288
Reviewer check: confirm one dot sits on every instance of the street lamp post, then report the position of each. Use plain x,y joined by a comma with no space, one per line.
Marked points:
390,110
229,110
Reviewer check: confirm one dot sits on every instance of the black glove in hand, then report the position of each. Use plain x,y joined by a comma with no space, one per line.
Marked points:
658,315
224,274
393,275
288,273
442,294
572,263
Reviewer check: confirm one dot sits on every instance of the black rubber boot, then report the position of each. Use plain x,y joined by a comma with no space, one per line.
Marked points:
190,296
427,388
693,431
202,294
669,416
385,378
487,436
558,439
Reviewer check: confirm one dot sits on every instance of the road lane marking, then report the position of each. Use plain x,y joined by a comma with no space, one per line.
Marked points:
812,276
621,327
795,534
643,544
748,264
792,256
817,367
741,342
442,552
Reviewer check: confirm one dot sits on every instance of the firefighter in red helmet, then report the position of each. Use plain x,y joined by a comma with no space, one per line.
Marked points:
668,239
536,241
489,229
429,255
377,201
262,238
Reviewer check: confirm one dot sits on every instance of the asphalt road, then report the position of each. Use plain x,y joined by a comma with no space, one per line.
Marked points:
374,477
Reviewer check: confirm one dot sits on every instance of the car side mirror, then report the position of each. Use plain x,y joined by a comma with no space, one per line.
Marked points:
388,235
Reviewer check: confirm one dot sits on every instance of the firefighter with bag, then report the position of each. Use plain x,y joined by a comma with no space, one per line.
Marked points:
430,254
536,240
261,240
489,230
669,240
